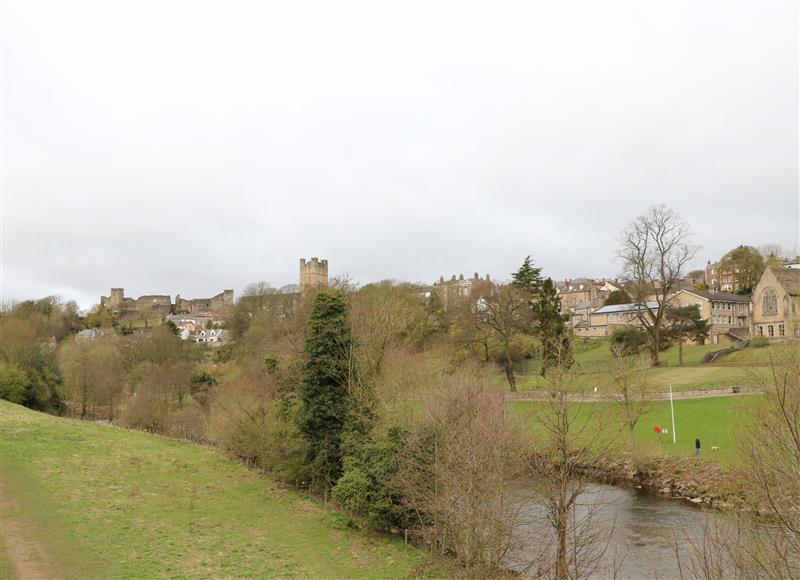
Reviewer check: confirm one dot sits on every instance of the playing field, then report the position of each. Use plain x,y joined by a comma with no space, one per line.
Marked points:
715,420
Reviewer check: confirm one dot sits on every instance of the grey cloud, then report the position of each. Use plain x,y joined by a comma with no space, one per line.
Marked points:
190,146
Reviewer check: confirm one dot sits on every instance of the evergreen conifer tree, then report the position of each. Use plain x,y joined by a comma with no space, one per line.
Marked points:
686,323
324,391
556,343
528,277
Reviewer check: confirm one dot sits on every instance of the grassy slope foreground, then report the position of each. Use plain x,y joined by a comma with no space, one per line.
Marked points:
106,502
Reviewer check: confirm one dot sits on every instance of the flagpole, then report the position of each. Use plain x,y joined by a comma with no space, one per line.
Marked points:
672,409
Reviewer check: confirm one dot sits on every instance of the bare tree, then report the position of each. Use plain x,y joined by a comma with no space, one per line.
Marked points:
763,539
455,471
93,375
384,315
628,380
655,249
505,309
569,445
471,331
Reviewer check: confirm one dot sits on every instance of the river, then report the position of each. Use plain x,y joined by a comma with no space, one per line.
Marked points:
641,529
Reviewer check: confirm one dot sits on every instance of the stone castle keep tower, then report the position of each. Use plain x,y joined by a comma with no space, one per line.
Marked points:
117,297
313,274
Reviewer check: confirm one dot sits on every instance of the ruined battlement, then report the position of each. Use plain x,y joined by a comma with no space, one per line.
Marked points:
122,306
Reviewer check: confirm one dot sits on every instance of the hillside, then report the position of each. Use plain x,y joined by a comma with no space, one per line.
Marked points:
88,500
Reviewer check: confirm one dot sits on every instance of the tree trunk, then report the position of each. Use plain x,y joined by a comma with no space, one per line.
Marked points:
680,351
561,533
512,380
656,344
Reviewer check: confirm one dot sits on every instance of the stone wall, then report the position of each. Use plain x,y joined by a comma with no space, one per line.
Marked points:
161,304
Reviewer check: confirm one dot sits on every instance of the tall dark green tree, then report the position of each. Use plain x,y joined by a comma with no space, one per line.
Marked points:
555,339
324,391
528,277
686,323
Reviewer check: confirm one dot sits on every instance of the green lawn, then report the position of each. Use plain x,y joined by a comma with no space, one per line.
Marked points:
111,503
716,420
588,351
752,355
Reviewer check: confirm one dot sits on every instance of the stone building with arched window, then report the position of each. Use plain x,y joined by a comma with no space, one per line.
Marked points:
776,305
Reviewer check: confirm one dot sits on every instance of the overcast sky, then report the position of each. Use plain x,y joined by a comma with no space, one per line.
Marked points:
186,147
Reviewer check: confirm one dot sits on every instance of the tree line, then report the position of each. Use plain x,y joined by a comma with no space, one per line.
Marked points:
385,402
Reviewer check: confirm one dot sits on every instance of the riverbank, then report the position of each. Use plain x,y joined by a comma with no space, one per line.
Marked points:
691,479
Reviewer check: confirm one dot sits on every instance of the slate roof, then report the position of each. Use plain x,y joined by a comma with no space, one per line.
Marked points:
720,296
630,307
789,278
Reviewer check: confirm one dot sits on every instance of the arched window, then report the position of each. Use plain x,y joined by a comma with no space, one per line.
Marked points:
769,302
786,305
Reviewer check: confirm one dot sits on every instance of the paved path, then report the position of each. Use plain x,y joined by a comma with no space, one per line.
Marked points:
578,398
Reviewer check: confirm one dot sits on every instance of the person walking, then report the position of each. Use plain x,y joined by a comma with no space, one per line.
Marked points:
697,446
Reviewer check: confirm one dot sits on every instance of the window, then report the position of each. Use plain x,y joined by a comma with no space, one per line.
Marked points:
760,331
730,319
769,302
781,330
771,330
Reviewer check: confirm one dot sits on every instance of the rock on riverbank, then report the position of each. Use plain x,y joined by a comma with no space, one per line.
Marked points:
692,479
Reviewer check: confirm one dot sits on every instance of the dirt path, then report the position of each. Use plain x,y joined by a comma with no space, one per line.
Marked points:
28,557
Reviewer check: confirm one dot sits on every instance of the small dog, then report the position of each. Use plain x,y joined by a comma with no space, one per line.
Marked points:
715,448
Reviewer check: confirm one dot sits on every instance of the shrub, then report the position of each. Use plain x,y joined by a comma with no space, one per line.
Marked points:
250,420
628,340
13,383
364,489
454,472
759,341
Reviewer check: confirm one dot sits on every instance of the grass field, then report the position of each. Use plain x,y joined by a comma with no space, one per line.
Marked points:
751,356
587,350
111,503
716,420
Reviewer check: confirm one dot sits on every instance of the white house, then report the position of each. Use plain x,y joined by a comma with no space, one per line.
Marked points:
212,336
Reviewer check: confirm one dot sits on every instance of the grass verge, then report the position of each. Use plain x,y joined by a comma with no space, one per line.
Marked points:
115,503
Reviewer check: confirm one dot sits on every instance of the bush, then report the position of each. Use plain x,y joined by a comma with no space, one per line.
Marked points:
628,339
454,471
759,341
250,420
13,383
364,490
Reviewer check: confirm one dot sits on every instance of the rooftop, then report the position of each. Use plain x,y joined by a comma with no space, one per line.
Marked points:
789,279
630,307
